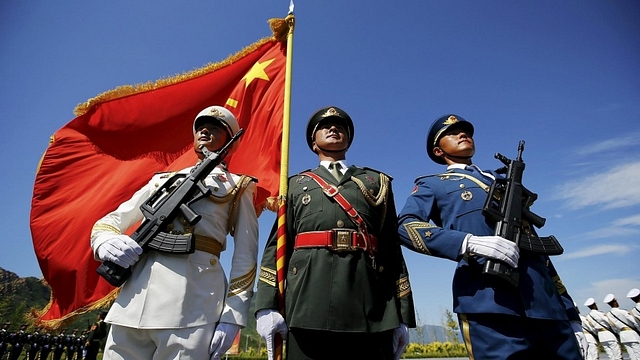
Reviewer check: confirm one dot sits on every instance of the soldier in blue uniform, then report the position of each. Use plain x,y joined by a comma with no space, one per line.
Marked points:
348,294
443,217
4,336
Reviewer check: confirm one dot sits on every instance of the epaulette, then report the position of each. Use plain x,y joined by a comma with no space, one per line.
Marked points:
377,171
300,173
253,178
165,174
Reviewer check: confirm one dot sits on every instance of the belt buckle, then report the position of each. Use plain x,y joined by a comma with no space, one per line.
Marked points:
342,240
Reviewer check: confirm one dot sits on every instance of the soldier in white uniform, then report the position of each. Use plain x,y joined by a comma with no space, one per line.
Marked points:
634,295
606,336
626,326
591,334
181,306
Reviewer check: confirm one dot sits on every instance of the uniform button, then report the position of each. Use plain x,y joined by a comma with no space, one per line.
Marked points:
381,269
213,261
340,187
340,223
294,270
461,186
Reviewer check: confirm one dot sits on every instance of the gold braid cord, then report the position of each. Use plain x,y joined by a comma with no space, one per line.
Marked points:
242,283
34,315
235,193
403,286
413,230
381,198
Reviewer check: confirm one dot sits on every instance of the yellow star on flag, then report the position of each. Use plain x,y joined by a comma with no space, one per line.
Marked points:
257,72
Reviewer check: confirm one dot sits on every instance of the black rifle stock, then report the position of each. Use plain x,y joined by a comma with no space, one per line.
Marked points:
508,205
173,198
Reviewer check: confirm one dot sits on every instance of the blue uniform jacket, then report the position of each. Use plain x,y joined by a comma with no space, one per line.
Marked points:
440,212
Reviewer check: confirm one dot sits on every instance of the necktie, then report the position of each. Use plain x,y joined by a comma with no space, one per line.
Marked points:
334,168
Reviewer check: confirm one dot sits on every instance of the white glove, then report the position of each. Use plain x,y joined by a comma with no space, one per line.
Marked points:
222,339
582,340
268,323
494,247
120,250
400,340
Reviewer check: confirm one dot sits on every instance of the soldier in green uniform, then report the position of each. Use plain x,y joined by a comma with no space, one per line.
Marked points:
347,290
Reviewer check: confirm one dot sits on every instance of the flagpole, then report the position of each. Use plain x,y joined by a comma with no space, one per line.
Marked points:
281,247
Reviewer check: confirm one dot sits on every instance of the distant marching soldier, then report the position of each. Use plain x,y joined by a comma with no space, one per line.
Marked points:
97,332
4,335
634,295
45,345
33,340
80,342
591,334
17,341
70,342
626,325
58,343
606,334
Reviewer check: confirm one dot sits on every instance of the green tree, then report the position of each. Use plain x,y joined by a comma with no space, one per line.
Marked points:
451,327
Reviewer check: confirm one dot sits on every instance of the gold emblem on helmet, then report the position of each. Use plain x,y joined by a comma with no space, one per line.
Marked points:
331,112
451,120
216,113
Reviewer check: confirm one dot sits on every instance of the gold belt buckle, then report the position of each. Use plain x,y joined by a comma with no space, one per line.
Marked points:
342,240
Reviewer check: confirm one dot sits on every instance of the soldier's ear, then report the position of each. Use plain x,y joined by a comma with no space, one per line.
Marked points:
437,151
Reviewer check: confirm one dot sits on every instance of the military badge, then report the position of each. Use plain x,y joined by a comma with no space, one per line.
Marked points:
466,195
302,179
306,199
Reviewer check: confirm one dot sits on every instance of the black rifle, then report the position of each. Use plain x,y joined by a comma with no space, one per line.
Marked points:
508,205
172,199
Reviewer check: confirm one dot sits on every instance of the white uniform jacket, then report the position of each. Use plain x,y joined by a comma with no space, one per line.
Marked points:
602,325
589,330
183,290
625,325
635,312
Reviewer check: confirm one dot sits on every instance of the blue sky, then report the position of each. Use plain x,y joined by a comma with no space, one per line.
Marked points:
561,75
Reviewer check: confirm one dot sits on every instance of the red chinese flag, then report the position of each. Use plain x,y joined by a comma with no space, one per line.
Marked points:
123,136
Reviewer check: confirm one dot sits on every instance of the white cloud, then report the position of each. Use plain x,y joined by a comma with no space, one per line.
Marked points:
610,232
617,249
615,144
630,220
607,190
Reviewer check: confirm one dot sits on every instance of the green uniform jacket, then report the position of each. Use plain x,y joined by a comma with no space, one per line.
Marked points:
340,291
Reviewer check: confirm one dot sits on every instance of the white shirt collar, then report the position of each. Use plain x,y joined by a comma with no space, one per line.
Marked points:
343,163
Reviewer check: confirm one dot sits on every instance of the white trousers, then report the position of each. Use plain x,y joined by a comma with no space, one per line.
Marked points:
612,349
633,349
125,343
593,352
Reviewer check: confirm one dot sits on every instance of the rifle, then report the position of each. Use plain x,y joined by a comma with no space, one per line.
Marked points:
508,205
173,198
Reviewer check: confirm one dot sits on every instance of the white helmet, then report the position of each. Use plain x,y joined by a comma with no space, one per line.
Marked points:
221,114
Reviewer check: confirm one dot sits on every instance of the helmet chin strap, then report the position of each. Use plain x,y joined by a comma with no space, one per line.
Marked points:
331,151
